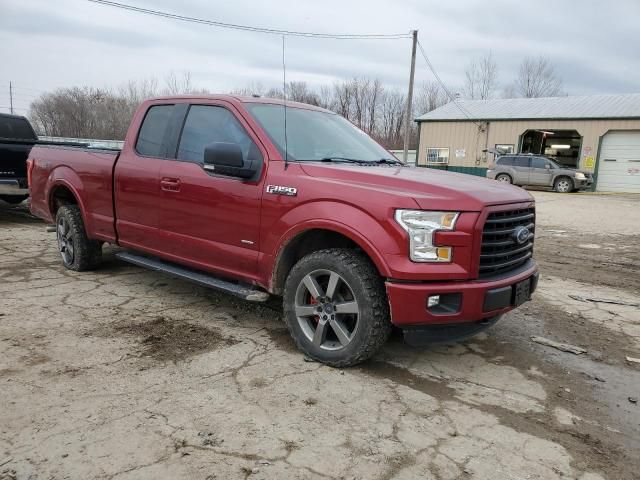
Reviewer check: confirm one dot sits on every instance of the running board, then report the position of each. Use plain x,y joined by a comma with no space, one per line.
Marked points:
243,291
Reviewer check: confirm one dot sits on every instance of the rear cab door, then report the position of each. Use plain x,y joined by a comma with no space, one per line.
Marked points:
541,172
521,167
137,194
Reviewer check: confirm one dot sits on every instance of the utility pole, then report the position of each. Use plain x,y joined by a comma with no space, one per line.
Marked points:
409,109
11,97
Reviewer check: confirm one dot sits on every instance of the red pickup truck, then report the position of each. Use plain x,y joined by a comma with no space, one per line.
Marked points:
256,197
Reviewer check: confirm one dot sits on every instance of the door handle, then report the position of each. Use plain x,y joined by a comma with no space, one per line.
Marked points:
170,184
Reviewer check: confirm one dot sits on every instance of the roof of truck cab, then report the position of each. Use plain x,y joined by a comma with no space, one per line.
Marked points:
243,99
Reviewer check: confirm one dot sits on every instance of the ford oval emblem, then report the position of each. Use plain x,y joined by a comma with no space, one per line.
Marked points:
521,234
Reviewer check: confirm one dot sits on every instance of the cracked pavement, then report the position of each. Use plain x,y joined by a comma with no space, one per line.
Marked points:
124,373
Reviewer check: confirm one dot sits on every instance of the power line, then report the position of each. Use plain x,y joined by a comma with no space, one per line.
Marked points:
248,28
444,87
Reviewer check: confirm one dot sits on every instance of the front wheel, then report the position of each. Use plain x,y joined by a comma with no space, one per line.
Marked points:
563,185
336,307
503,178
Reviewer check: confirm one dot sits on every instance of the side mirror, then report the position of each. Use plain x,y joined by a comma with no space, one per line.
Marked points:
226,159
547,166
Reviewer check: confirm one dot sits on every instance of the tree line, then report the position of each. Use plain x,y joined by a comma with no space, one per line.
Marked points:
105,113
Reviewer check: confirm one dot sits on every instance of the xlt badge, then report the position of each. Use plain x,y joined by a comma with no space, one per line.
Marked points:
281,190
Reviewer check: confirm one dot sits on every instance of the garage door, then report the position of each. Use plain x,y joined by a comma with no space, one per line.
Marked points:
619,164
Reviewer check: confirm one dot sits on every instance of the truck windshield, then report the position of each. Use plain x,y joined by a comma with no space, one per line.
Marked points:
314,136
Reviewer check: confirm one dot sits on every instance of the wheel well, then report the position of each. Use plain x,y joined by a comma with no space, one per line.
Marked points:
560,177
504,174
60,196
303,244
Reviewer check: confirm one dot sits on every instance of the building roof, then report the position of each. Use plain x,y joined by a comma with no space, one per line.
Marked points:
592,106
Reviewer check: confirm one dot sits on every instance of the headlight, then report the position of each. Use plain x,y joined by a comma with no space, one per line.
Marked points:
580,176
421,226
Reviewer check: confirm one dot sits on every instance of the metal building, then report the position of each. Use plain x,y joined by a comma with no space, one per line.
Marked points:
598,133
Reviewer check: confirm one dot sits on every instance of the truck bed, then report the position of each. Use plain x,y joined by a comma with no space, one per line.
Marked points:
84,171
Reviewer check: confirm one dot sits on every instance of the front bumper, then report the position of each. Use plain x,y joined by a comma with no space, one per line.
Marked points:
582,184
471,300
12,187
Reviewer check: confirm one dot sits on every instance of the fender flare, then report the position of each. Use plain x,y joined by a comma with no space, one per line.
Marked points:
350,223
61,179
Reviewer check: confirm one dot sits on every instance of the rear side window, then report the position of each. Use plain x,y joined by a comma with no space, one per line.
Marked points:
521,161
505,161
15,127
152,132
207,124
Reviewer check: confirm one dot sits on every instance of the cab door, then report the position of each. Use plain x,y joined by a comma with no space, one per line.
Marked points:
207,220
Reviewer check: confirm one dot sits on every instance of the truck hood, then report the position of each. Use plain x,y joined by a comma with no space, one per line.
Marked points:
431,188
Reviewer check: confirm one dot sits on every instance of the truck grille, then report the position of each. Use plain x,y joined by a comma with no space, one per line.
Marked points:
501,250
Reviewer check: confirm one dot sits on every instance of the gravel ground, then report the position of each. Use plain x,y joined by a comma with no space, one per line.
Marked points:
124,373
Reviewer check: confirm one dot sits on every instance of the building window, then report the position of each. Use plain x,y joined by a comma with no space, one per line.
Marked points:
506,148
437,156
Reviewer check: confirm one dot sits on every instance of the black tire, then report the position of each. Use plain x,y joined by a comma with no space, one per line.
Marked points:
504,178
78,252
563,185
359,284
14,199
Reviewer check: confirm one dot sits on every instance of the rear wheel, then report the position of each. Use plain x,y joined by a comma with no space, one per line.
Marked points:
504,178
78,252
563,185
336,307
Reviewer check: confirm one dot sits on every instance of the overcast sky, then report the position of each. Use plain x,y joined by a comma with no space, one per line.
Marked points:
47,44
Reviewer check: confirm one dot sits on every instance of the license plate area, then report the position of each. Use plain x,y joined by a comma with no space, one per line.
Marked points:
521,292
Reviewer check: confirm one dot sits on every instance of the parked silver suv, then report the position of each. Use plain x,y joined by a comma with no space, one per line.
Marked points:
537,170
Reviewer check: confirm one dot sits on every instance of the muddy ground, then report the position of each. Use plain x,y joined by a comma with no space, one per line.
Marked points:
125,373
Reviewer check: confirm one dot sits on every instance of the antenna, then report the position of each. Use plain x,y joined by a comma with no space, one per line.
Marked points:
284,96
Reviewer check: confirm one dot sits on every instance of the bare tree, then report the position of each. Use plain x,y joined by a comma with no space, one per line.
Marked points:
391,119
430,96
326,98
106,113
343,92
537,78
481,78
300,92
253,88
180,85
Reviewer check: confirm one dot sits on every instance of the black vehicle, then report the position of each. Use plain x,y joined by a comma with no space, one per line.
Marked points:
17,137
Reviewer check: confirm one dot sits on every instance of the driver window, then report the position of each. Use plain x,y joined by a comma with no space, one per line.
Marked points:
538,162
207,124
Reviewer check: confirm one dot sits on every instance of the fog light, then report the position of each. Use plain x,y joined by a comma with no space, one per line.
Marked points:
433,300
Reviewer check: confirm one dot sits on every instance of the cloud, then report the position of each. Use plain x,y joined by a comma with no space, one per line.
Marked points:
74,42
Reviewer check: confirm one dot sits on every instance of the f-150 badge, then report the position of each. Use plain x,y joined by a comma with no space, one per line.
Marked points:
281,190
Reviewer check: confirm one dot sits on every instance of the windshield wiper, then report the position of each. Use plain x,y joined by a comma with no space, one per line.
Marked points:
343,159
391,161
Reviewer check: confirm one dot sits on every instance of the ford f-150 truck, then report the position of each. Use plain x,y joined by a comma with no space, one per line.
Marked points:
257,197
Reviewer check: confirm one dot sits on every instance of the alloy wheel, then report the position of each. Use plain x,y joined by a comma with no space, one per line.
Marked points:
65,241
563,186
327,310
